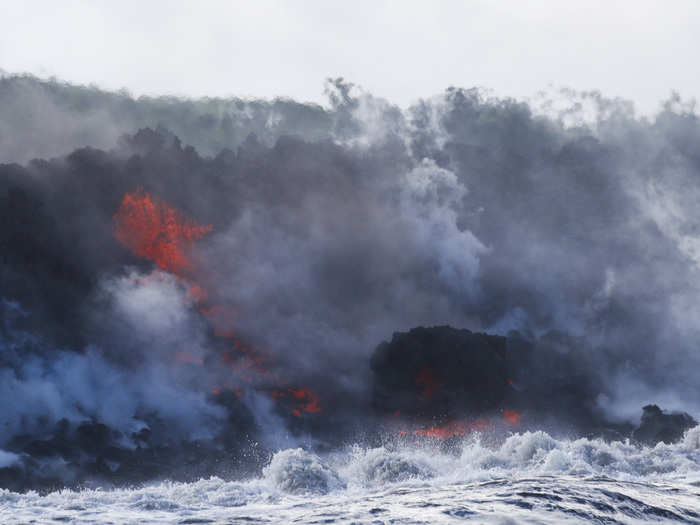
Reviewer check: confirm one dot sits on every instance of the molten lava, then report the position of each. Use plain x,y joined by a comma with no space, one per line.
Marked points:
462,427
455,428
511,416
308,400
152,229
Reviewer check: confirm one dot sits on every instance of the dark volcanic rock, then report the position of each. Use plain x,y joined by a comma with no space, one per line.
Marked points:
439,372
93,454
658,426
553,385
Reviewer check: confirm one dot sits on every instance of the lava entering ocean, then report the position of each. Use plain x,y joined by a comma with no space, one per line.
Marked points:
151,228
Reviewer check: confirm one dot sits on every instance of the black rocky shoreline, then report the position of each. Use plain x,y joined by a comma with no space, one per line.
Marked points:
467,376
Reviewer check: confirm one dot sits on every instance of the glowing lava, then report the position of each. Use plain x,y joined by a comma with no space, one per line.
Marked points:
462,427
156,231
511,416
455,428
308,401
152,229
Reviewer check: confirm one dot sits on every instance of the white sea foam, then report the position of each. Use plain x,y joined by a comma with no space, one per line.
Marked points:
299,472
530,476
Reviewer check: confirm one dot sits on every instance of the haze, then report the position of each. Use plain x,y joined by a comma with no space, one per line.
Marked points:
638,50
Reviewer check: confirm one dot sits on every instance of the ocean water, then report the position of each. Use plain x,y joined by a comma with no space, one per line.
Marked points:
530,477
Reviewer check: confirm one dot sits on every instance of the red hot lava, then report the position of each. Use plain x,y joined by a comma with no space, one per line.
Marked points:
462,427
154,230
455,428
308,401
511,416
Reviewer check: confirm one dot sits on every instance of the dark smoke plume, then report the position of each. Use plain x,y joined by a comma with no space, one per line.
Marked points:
325,230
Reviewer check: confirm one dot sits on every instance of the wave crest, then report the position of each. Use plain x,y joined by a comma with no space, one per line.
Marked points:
299,472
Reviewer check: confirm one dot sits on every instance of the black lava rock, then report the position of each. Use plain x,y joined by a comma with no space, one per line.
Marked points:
658,426
439,372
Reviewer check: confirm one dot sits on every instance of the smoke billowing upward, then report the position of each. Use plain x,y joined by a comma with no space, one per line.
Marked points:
162,251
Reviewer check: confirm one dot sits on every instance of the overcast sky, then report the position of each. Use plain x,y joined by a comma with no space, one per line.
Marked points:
401,50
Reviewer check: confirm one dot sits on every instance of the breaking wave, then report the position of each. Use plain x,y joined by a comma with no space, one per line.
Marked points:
558,479
299,472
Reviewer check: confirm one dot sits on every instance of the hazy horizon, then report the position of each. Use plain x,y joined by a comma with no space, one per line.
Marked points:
639,51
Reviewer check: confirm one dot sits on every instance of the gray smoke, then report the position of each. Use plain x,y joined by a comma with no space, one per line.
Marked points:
334,227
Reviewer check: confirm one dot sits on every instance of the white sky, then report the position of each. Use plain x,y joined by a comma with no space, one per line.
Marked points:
400,50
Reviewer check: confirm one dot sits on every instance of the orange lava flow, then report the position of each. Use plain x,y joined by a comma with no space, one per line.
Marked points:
455,428
308,399
152,229
511,416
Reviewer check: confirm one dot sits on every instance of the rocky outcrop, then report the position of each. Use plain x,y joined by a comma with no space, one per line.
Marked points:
443,374
439,372
658,426
92,453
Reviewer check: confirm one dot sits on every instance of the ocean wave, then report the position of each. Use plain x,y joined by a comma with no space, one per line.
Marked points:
298,472
523,471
